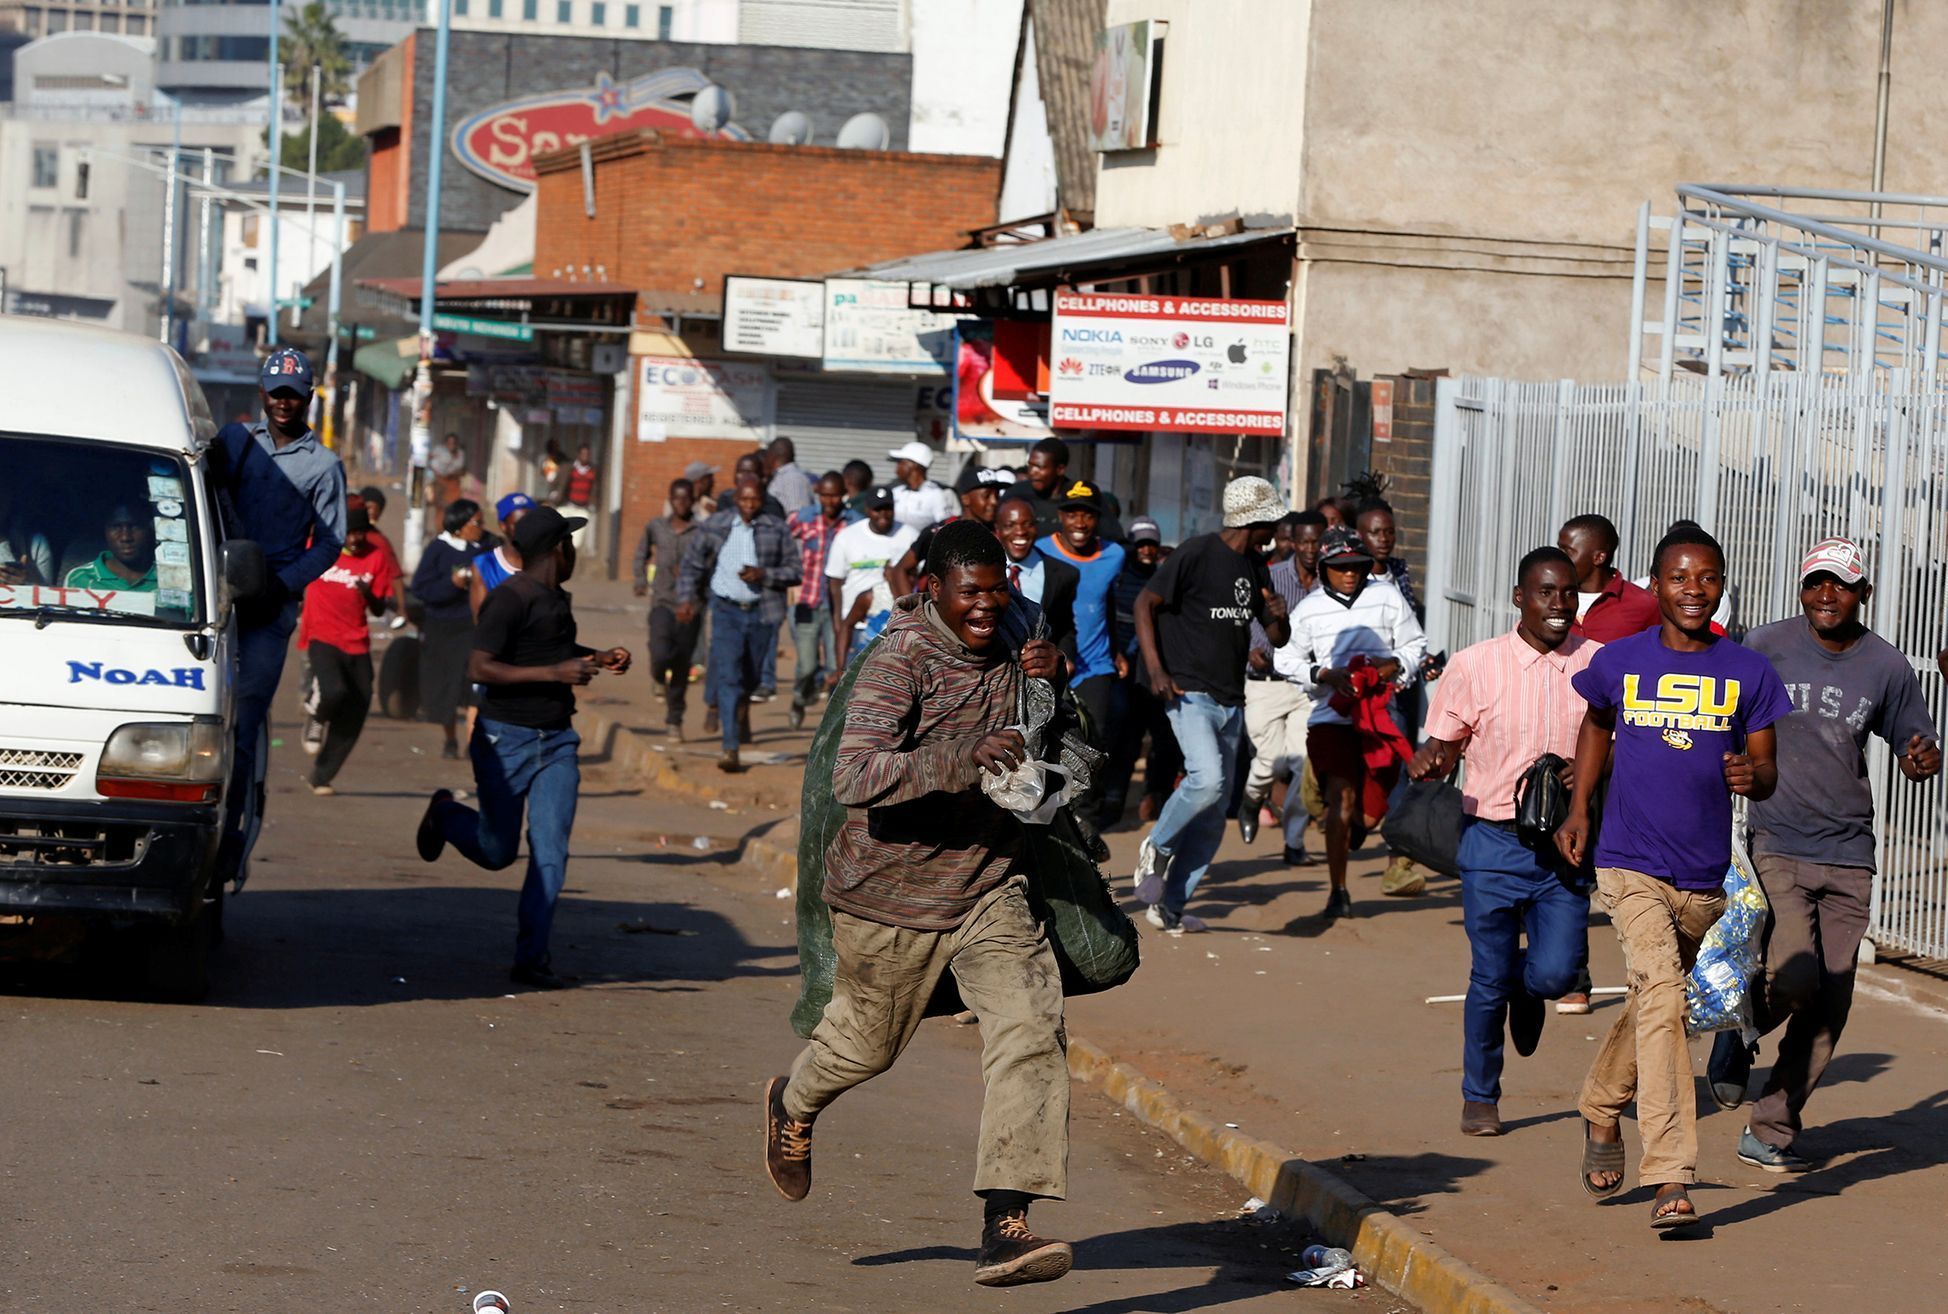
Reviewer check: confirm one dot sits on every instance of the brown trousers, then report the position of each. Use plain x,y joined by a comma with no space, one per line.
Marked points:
1646,1056
1819,915
1008,975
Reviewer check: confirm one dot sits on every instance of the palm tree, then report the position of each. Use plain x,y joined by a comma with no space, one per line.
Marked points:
312,39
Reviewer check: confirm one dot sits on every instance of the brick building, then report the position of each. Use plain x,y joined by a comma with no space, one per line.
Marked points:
672,216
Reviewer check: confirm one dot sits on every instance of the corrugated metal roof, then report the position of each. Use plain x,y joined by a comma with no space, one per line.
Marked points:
1019,262
1065,51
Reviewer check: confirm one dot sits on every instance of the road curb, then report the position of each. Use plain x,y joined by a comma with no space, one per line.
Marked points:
1388,1249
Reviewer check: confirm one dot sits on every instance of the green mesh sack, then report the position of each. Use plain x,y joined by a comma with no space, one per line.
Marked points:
1094,940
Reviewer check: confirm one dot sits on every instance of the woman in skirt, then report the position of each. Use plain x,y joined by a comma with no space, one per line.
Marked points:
446,632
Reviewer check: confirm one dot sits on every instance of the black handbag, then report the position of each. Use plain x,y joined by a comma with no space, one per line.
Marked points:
1541,800
1423,821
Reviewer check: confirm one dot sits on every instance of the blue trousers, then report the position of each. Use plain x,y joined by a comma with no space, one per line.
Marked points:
1191,825
514,765
260,666
1506,893
739,640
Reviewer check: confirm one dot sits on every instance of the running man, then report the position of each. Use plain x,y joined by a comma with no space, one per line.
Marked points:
524,742
337,640
1813,840
1692,714
1193,621
1503,704
922,879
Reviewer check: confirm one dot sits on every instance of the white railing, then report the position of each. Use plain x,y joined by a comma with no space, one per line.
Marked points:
1769,462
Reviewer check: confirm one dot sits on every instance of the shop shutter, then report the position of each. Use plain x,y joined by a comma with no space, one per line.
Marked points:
832,422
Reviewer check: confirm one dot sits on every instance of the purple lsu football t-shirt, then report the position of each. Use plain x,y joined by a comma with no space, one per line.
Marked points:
1669,814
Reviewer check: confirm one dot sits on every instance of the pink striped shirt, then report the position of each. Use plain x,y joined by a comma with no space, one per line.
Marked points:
1508,705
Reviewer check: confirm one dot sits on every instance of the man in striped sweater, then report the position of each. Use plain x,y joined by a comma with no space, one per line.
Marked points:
925,877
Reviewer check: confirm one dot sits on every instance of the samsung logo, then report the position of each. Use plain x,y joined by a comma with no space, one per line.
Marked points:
1161,371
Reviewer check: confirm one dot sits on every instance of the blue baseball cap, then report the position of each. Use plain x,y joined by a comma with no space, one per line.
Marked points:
513,502
287,367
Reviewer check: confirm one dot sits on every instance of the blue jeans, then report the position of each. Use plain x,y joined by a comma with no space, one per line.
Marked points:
1505,894
738,641
1191,825
513,764
260,666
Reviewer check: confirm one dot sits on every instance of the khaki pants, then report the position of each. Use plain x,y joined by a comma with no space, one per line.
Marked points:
1007,974
1646,1054
1275,715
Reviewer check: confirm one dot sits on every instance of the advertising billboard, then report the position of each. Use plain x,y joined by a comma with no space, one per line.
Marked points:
682,397
1122,88
774,316
869,328
1169,364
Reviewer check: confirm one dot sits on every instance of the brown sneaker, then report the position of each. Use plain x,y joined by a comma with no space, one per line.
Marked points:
1012,1255
787,1145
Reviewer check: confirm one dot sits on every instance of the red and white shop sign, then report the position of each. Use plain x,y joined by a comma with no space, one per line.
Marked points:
1168,363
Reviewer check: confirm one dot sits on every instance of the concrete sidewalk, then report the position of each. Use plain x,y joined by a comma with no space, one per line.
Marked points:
1315,1038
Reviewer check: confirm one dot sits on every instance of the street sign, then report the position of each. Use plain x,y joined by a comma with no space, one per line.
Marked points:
505,330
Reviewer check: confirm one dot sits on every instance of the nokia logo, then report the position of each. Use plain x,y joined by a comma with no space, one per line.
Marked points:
1092,335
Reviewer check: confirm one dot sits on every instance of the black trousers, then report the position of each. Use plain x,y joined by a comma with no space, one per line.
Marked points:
1135,712
672,645
344,684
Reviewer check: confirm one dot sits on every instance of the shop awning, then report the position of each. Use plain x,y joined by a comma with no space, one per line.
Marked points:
1097,255
551,304
391,363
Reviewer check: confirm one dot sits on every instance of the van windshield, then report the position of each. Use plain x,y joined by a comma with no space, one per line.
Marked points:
97,531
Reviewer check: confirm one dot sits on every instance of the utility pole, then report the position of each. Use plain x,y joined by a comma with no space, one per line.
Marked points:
277,158
205,266
1883,86
329,429
310,199
169,241
428,268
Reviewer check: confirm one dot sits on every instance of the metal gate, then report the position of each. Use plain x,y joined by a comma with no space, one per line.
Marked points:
1769,463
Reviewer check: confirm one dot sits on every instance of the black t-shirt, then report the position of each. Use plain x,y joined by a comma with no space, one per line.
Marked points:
523,623
1210,597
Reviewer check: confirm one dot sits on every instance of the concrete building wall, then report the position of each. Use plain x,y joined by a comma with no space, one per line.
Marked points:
963,62
1230,122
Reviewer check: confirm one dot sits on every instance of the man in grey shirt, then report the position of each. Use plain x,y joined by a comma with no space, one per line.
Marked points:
672,641
1813,839
787,480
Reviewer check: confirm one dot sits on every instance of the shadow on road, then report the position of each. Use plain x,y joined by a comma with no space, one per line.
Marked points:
336,948
1246,1259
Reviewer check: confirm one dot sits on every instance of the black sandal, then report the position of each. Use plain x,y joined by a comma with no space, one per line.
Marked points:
1601,1158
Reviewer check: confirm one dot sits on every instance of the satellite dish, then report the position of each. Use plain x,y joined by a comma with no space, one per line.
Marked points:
865,132
710,109
792,128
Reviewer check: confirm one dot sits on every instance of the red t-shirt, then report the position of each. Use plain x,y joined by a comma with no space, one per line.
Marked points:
1620,610
581,484
334,607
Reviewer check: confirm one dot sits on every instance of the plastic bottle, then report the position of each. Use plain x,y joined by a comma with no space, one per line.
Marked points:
1329,1259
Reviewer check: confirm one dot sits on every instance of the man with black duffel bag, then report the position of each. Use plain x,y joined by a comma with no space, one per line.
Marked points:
1504,704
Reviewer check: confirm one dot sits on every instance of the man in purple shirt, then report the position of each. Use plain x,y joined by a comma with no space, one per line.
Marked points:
1692,715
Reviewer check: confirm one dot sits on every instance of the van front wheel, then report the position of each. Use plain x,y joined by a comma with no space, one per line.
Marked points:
177,962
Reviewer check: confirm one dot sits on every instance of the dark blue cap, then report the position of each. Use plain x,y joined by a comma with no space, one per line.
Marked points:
287,367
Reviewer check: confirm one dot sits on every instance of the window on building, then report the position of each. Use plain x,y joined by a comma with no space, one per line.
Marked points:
57,21
632,15
665,20
564,11
74,233
31,20
598,14
47,166
530,10
84,21
110,23
459,8
136,25
493,8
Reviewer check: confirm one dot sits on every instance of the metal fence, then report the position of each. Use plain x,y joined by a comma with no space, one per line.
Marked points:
1769,463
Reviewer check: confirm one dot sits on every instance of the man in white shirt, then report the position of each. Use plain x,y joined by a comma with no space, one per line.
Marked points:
917,500
856,573
1354,638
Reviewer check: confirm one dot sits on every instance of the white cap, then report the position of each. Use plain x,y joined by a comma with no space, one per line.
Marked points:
916,451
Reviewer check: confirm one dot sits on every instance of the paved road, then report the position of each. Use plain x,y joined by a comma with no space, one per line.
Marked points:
362,1118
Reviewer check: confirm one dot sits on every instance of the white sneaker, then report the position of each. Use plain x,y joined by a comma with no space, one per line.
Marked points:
1152,865
323,791
1154,915
314,735
1187,925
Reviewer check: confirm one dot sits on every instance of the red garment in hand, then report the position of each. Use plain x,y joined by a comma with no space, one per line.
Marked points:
1382,747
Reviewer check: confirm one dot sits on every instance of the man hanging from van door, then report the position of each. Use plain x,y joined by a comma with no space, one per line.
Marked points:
287,492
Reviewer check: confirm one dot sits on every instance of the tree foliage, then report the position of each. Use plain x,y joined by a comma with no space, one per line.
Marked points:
311,38
338,147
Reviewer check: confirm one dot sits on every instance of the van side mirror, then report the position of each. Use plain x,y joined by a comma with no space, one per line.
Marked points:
244,572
